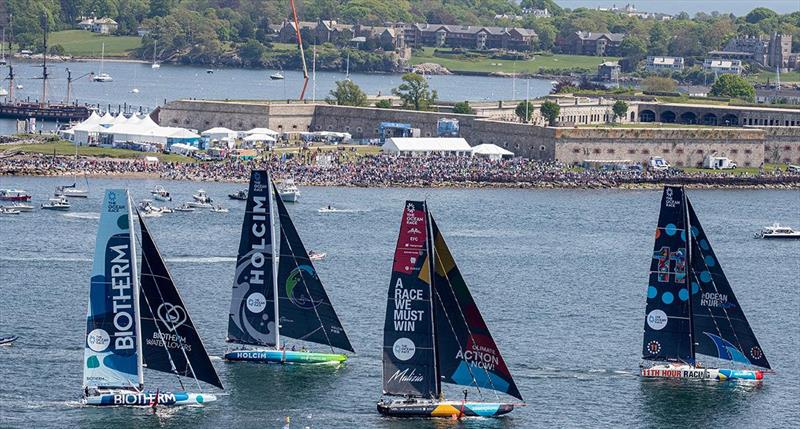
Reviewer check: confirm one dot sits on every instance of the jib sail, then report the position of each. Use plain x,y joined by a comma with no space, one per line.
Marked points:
112,355
720,327
252,315
467,352
170,342
306,312
668,324
409,357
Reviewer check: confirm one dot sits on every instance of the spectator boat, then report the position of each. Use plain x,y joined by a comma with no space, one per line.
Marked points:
59,203
6,211
14,195
276,76
219,209
289,192
316,256
777,231
691,308
18,206
8,340
239,195
71,191
304,309
185,207
148,325
434,332
161,194
202,197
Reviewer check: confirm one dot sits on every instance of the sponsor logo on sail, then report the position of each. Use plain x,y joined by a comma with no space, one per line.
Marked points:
172,316
480,356
121,297
669,201
406,377
299,296
404,349
98,340
714,299
657,320
654,347
256,302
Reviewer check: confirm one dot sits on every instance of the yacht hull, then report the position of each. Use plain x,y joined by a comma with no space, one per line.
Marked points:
128,398
447,409
284,356
692,373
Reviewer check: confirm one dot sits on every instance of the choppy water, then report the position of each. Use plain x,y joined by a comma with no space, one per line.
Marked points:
560,278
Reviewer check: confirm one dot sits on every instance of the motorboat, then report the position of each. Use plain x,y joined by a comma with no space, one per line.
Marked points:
219,209
161,194
18,206
316,256
288,191
6,211
329,209
102,77
71,191
202,197
147,207
8,340
209,71
240,195
185,207
59,203
276,76
777,231
150,214
14,195
199,205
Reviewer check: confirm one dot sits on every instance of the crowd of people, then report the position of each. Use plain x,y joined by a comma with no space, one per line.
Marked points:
345,169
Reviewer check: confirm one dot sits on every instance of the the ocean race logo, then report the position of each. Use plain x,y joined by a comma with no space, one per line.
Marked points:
300,296
256,302
657,320
113,206
668,199
98,340
172,316
404,349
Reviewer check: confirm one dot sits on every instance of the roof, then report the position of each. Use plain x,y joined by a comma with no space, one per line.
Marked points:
218,130
472,29
665,60
426,144
261,131
614,37
259,138
107,21
490,149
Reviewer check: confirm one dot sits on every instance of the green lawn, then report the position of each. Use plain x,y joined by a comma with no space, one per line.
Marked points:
67,148
485,64
763,76
87,44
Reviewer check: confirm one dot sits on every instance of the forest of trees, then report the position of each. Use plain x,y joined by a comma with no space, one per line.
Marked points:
221,31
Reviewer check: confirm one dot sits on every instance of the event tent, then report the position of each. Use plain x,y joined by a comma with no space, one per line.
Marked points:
491,151
422,146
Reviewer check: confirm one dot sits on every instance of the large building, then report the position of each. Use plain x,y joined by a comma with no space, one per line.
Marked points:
774,51
588,43
722,66
664,64
469,37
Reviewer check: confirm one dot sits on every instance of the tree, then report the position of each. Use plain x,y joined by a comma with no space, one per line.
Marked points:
415,92
161,7
759,14
733,86
659,84
347,93
252,52
57,50
524,111
550,111
383,104
620,109
463,107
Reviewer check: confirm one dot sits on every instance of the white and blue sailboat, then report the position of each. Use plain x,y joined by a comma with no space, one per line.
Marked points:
691,307
137,319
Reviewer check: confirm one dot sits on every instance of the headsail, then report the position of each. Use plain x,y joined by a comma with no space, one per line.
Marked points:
252,315
306,312
170,341
409,357
721,329
467,352
111,354
668,325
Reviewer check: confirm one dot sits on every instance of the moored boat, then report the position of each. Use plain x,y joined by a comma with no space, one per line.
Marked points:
302,306
778,231
6,211
434,332
691,308
185,207
71,191
239,195
14,195
137,319
59,203
22,207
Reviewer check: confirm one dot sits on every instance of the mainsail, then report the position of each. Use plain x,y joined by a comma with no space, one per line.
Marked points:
112,357
409,359
170,341
306,312
668,323
467,352
252,314
721,329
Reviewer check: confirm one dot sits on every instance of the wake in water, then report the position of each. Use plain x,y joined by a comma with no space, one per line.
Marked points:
333,210
82,215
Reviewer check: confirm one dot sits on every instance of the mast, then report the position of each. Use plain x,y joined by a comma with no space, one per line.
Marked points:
688,231
10,82
44,64
275,254
432,268
136,287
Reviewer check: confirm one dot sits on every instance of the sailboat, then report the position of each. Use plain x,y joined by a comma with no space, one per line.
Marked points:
691,307
137,319
302,307
102,76
434,332
155,64
73,190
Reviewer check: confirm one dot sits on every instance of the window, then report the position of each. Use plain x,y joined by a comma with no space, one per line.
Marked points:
734,150
540,147
294,127
631,151
646,151
748,151
596,150
609,150
664,150
679,150
576,150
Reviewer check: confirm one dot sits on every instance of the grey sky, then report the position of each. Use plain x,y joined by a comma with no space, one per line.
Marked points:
738,7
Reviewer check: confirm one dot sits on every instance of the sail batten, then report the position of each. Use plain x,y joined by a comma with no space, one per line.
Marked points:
171,342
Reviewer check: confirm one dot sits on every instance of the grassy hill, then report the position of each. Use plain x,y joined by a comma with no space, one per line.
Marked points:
87,44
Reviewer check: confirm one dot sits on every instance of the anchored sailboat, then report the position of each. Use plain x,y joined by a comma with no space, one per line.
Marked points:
303,308
137,320
434,331
691,307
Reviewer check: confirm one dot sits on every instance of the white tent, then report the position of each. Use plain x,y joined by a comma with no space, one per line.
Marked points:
106,119
491,151
120,119
89,127
266,131
422,146
252,138
219,133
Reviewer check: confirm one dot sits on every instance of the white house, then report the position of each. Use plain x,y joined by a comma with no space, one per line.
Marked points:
424,146
664,64
722,66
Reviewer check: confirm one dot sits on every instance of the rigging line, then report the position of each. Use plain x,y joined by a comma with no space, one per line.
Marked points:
291,250
185,356
461,312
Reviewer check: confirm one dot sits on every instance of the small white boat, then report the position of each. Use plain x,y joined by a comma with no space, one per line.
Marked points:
71,191
288,191
219,209
155,66
276,76
147,207
777,231
135,91
59,203
239,195
316,256
202,197
102,77
184,208
19,207
6,211
8,340
199,205
3,92
161,194
151,214
20,86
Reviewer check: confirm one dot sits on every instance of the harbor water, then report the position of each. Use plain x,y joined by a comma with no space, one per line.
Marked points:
559,275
